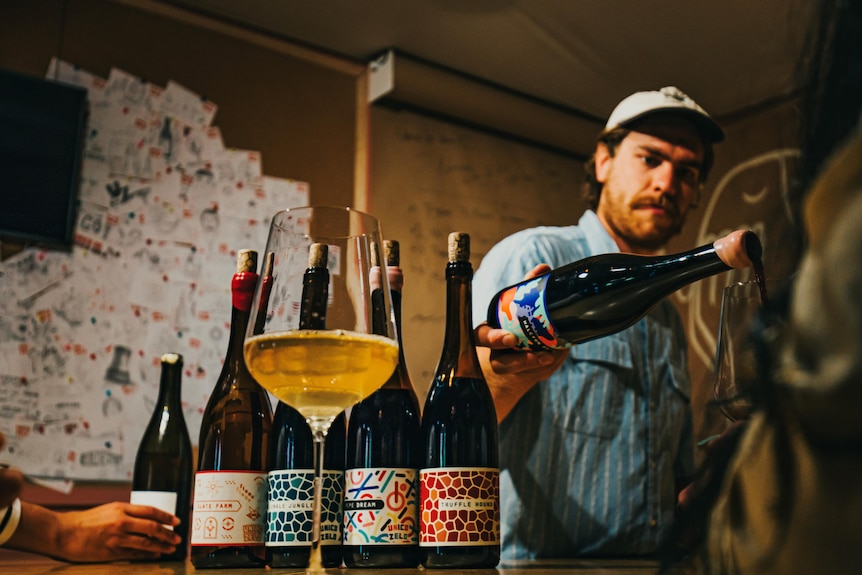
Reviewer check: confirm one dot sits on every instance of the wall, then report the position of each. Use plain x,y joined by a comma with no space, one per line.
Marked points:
296,107
430,177
299,111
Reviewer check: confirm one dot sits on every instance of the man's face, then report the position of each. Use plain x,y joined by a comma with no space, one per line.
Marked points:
650,183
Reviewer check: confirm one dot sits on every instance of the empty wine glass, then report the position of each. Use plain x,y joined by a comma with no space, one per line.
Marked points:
324,370
735,367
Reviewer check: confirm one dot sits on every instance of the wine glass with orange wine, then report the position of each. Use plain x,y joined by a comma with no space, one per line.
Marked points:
313,346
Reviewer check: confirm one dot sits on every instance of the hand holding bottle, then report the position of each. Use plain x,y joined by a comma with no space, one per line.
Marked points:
116,531
511,372
606,293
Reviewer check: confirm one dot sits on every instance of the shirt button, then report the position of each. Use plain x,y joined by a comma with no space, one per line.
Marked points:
653,522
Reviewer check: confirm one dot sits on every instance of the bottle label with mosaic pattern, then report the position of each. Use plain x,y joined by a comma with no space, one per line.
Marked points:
291,508
460,506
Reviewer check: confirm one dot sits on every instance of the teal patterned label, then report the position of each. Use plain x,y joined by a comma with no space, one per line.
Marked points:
290,508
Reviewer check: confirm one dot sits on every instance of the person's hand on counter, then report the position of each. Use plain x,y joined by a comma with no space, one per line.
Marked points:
511,372
115,531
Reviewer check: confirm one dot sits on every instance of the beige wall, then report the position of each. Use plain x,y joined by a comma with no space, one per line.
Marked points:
431,177
299,111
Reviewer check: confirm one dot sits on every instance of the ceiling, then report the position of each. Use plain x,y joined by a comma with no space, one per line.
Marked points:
581,55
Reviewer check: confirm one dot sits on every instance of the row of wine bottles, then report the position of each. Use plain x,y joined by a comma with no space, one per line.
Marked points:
399,490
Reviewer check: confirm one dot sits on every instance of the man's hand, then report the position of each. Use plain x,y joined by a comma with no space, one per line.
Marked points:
511,372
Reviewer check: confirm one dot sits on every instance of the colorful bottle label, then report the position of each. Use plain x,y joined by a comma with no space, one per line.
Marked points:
460,506
521,310
290,512
381,507
229,508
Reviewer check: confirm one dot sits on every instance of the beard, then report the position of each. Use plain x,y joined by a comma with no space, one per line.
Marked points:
641,226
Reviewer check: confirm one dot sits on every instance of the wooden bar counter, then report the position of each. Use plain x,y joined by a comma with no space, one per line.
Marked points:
25,564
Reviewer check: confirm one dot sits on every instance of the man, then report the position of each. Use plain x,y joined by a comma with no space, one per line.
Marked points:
596,440
111,532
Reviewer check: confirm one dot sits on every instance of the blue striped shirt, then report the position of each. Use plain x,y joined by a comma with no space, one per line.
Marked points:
589,458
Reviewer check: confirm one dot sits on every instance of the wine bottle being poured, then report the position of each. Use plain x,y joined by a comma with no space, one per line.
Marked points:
607,293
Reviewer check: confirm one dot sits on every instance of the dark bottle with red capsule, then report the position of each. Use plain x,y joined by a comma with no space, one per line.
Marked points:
607,293
460,473
291,475
232,450
381,495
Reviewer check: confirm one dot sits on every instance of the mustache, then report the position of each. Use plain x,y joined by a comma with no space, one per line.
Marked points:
662,202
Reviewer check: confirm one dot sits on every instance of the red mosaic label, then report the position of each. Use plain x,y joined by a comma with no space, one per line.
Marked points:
460,506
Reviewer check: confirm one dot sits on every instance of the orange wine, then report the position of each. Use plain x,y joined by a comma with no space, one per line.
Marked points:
321,372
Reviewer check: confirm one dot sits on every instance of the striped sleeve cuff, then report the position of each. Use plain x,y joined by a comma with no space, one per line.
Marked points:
9,518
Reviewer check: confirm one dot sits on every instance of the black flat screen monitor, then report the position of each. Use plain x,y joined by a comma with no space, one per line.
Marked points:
42,131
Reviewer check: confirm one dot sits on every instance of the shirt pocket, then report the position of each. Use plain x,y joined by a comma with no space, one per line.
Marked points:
589,394
678,379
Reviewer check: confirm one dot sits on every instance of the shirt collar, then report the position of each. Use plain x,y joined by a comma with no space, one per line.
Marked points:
598,238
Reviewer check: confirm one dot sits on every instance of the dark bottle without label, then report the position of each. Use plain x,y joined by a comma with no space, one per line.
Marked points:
265,289
384,453
291,477
607,293
459,430
163,465
233,448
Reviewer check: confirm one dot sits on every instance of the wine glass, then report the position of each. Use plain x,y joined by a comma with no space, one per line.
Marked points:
321,372
735,367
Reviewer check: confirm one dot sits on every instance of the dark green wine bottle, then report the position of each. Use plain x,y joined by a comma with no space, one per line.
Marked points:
163,465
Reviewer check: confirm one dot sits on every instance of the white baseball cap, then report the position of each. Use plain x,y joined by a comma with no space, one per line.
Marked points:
668,99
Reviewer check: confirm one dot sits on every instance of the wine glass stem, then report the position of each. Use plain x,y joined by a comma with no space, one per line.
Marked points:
318,430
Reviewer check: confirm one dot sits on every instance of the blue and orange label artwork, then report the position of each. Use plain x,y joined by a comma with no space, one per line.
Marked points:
381,507
522,311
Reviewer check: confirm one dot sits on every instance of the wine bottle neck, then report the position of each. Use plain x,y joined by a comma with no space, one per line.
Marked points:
315,293
400,378
459,341
170,386
263,304
238,324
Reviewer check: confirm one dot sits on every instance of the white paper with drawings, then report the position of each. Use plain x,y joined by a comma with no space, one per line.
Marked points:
164,207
